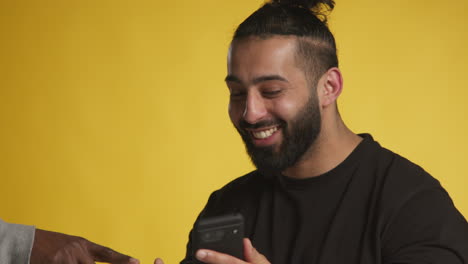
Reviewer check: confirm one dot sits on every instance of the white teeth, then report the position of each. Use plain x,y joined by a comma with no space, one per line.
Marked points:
264,134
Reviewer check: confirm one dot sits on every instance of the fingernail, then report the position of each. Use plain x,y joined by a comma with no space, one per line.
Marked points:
201,254
134,261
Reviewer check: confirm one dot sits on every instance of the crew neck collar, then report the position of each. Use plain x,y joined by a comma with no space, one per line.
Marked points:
334,174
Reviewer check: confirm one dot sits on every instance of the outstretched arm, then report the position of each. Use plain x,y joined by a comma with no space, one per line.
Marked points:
52,247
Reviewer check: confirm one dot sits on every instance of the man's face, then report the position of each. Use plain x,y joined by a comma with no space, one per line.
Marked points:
272,106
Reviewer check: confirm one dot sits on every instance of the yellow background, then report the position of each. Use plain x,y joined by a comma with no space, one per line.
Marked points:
114,113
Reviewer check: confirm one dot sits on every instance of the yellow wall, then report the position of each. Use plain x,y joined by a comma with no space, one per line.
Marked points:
114,121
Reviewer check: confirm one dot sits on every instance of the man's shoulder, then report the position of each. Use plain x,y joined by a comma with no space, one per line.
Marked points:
399,180
402,170
240,195
394,167
246,183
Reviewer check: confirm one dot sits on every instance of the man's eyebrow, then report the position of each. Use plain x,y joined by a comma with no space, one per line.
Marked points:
274,77
232,78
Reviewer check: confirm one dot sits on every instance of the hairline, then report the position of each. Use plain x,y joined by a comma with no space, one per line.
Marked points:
305,47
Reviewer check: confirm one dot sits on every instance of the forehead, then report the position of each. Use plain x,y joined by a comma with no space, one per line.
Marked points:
251,57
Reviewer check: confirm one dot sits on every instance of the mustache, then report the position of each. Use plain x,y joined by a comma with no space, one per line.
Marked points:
265,123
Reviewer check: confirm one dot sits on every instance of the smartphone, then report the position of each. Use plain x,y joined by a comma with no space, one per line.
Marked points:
221,233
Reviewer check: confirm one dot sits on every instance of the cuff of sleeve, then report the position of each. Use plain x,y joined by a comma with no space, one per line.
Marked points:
16,243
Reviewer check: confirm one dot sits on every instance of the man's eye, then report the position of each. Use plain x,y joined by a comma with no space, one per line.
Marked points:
271,93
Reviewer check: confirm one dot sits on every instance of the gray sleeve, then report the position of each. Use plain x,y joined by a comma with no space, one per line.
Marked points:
15,243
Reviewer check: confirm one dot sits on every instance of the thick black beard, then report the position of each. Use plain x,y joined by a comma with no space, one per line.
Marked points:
298,137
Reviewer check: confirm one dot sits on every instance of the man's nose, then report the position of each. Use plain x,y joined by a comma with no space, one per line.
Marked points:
255,109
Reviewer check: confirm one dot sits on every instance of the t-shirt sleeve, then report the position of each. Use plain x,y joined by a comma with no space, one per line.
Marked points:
15,243
427,229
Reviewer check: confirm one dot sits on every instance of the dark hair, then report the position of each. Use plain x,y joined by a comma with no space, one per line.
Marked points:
307,20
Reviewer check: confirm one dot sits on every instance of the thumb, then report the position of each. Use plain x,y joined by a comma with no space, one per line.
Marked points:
252,255
158,261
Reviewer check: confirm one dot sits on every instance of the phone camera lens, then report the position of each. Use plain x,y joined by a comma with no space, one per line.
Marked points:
207,236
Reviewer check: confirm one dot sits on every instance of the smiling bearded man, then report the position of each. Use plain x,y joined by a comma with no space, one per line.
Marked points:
321,194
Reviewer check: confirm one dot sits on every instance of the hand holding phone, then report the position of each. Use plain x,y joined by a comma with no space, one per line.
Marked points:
252,256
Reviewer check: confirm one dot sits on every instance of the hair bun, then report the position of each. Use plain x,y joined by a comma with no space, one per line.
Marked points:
309,4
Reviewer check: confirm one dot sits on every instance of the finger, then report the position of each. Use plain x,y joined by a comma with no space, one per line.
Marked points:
158,261
105,254
85,260
213,257
84,257
251,254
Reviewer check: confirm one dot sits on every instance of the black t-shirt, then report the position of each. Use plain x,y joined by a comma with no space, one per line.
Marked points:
375,207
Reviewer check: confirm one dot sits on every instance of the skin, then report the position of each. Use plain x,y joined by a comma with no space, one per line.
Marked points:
258,86
213,257
57,248
266,83
250,62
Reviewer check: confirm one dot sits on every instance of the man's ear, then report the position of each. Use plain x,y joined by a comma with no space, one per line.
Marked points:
330,86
